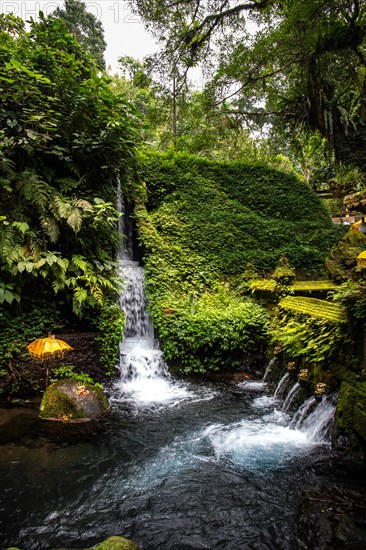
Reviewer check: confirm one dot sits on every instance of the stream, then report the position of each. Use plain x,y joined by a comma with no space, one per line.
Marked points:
178,464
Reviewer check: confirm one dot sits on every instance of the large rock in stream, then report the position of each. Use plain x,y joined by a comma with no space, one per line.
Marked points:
70,401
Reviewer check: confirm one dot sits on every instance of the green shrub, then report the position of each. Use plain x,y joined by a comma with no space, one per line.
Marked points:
110,321
215,331
67,371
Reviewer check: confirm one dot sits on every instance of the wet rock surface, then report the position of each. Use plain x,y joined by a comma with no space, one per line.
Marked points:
70,401
334,516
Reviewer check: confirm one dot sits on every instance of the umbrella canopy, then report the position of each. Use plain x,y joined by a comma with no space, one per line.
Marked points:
44,348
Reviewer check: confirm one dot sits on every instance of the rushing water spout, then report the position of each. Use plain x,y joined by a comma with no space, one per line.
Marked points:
280,385
318,424
302,412
291,396
268,368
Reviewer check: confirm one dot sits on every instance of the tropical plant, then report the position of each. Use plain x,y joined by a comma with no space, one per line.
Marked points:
66,140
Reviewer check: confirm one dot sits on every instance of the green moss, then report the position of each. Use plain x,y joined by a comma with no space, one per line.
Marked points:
116,543
55,404
203,223
351,409
101,395
314,308
236,213
342,260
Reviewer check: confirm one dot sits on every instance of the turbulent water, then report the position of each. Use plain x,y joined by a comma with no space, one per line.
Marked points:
212,471
178,465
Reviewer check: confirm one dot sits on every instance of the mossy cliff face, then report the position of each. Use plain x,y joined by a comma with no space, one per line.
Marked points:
323,341
351,411
68,400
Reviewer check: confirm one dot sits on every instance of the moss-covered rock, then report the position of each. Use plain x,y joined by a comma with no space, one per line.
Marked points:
113,543
116,543
68,400
342,261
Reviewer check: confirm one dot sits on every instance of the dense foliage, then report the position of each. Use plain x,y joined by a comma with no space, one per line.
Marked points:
201,322
65,140
235,213
321,331
300,65
205,221
85,27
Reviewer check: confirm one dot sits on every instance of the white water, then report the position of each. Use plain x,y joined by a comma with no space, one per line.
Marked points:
253,385
144,376
302,412
145,380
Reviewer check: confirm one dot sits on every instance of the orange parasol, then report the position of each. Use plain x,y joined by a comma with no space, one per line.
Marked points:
44,348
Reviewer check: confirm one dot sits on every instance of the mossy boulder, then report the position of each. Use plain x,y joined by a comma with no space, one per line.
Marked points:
113,543
70,401
116,543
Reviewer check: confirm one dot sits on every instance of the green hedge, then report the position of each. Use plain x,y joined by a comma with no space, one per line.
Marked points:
235,213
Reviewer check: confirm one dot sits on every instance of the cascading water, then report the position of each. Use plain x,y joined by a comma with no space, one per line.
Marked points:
281,385
291,396
319,423
302,412
268,368
144,375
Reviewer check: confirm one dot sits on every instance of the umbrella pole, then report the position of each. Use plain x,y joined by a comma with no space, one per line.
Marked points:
47,365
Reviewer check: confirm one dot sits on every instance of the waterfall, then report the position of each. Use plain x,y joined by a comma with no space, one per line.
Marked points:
319,423
133,303
144,377
268,368
125,251
281,385
291,396
302,412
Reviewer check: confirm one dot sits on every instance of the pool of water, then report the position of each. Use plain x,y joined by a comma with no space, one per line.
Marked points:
205,470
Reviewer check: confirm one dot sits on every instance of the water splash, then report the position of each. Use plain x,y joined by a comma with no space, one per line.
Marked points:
302,412
144,377
318,424
253,385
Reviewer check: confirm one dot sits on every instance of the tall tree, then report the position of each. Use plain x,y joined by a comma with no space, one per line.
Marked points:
301,65
85,27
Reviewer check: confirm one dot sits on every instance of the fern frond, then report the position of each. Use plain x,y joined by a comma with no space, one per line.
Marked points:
75,219
80,262
60,207
50,227
8,240
97,293
35,189
80,295
83,204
